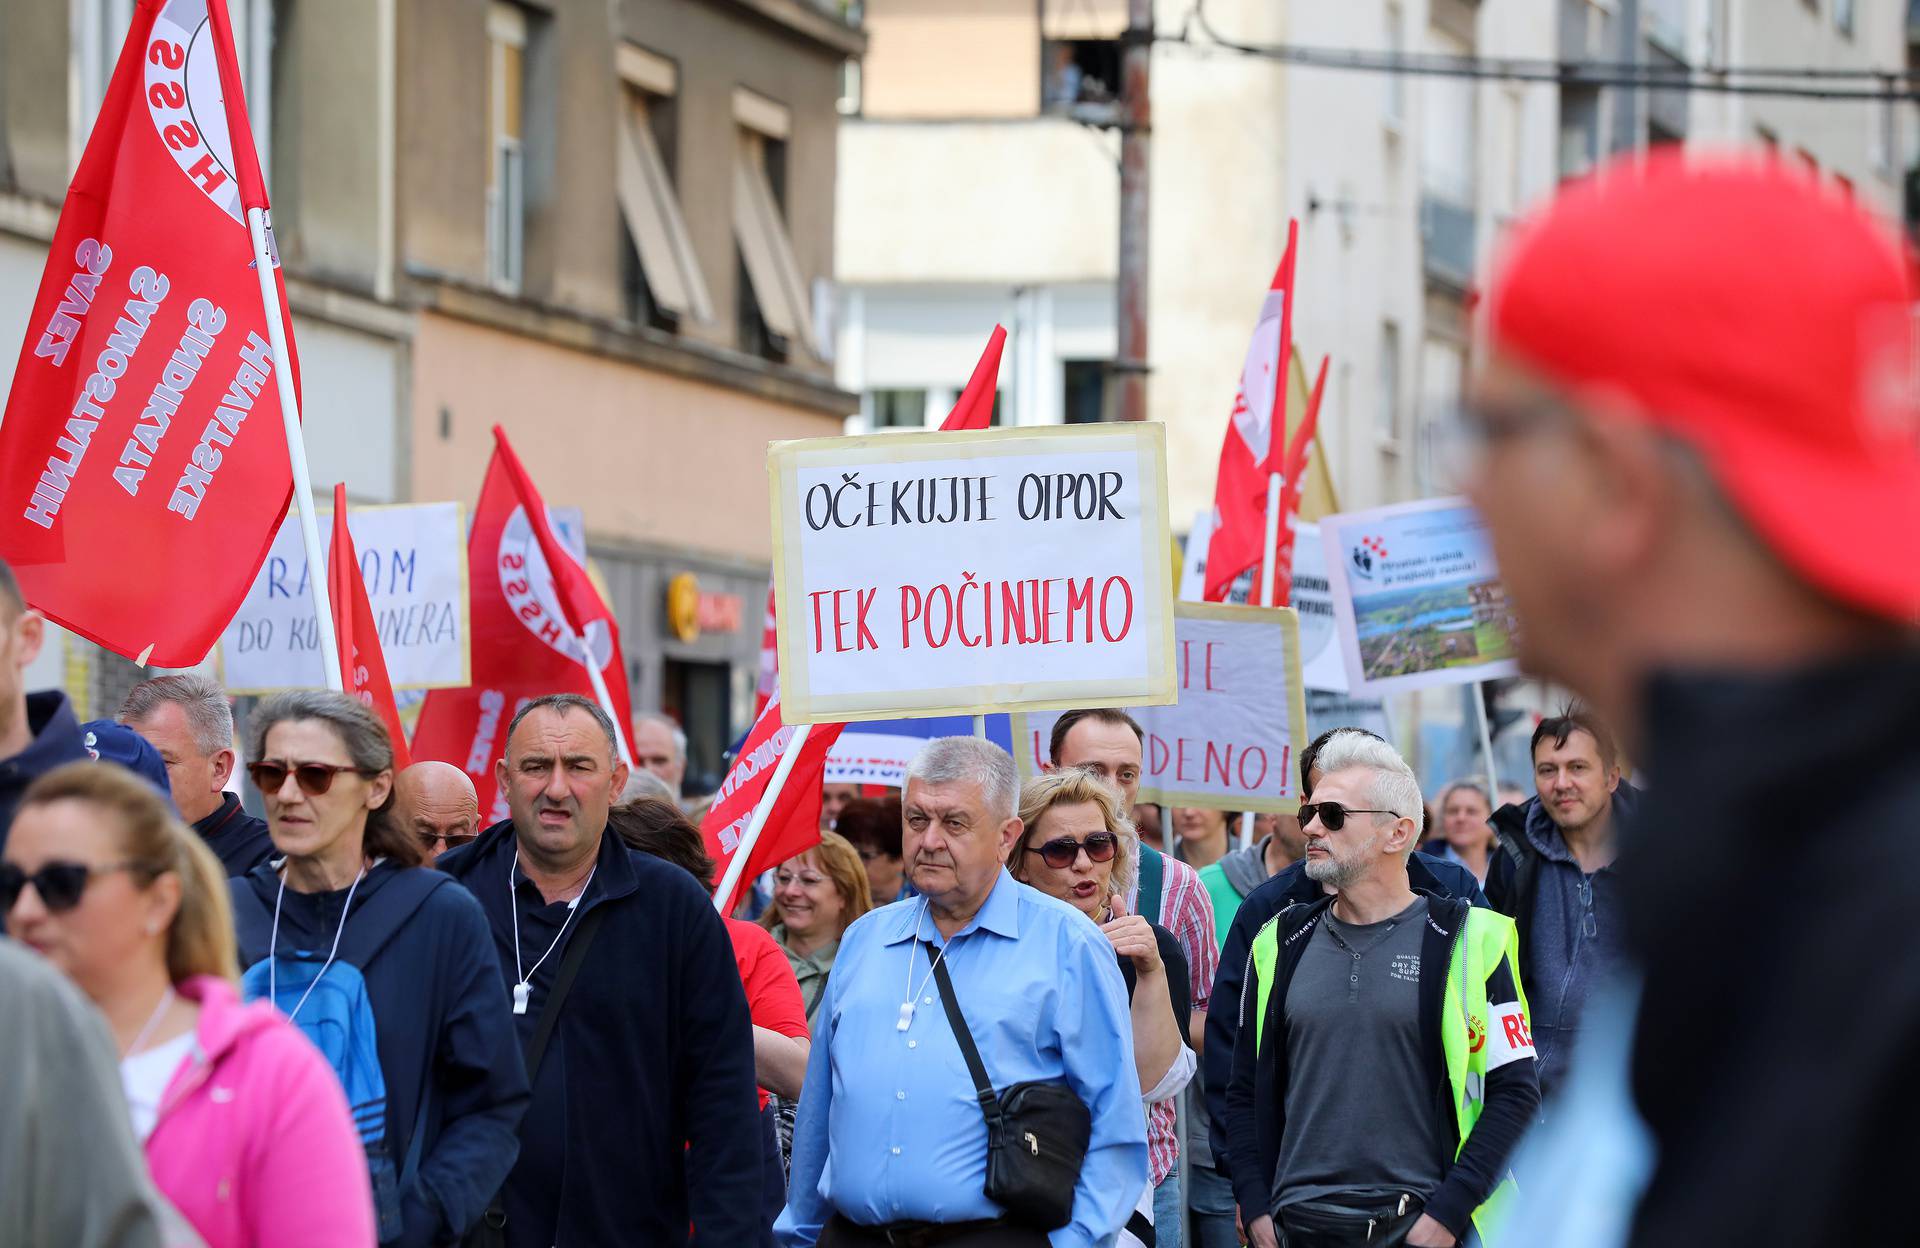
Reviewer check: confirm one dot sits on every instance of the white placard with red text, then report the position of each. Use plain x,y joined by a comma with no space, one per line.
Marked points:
1231,739
958,573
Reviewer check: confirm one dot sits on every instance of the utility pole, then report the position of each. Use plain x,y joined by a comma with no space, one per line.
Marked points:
1136,122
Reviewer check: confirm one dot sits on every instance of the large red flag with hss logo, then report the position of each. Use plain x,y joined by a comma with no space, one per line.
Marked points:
143,459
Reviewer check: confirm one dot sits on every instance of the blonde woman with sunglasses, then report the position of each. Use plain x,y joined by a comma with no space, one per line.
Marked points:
1078,845
244,1127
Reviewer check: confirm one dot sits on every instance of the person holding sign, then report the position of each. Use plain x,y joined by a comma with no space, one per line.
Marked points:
1387,1071
980,974
1077,845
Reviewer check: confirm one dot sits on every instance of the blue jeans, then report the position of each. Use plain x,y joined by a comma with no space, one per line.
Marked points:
1212,1199
1166,1210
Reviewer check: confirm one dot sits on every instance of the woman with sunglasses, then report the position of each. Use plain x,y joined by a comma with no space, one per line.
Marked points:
388,967
244,1127
816,896
1077,844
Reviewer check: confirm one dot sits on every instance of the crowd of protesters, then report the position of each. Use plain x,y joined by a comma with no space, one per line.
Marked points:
980,1012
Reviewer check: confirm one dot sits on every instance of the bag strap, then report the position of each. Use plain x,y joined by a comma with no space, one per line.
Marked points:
819,996
983,1086
1152,869
576,953
570,961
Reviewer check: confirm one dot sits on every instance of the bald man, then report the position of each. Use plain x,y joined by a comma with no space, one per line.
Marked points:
436,802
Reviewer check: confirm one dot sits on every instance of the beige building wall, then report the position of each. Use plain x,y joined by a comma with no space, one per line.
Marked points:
647,456
951,58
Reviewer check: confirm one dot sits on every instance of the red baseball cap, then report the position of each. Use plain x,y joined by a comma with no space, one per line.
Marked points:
1762,319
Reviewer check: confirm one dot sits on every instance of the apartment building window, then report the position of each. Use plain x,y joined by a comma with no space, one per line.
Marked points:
1448,148
97,31
506,161
1086,398
1843,17
1078,72
1386,408
661,274
1667,26
896,409
775,303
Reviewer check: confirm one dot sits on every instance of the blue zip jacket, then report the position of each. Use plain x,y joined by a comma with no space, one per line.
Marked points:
443,1033
56,740
645,1115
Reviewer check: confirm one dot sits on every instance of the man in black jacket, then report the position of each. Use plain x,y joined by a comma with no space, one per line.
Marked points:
188,719
1384,1071
1696,445
644,1114
1291,886
37,731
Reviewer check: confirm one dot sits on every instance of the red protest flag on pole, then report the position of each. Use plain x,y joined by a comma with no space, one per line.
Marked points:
1293,476
522,645
363,665
1252,450
144,456
791,825
587,615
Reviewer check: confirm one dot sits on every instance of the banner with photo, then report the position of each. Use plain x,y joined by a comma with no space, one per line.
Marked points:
1417,599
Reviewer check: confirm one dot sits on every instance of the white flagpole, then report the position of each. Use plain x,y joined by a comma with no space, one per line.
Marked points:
604,698
1486,738
296,448
761,812
1266,600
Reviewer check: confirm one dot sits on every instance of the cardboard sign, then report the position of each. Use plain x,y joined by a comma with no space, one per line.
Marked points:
1417,598
414,560
1321,666
954,573
1231,740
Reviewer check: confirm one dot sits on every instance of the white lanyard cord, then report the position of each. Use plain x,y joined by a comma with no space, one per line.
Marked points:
906,1006
513,907
273,943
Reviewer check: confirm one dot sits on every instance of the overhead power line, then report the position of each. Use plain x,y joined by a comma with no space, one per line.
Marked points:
1795,83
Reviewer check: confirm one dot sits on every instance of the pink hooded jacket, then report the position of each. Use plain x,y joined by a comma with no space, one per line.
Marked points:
254,1142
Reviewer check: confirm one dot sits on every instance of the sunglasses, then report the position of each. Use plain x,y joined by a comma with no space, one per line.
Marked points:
430,841
1332,815
60,884
313,778
1060,854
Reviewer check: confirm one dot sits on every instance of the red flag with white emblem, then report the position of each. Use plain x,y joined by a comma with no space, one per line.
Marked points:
143,458
363,665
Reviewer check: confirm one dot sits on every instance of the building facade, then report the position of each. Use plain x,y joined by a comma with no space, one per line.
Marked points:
606,227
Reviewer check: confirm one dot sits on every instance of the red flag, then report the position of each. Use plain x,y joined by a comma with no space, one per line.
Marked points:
1252,449
1293,478
362,664
522,646
143,461
973,410
794,823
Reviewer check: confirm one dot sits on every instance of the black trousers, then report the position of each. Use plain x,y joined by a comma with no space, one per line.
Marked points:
840,1233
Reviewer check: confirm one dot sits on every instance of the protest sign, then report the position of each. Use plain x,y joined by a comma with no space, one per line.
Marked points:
1417,599
413,559
879,751
955,573
1321,666
1231,740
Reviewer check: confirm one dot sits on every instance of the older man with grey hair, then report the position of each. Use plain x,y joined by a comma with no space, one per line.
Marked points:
660,746
188,719
1385,1069
891,1146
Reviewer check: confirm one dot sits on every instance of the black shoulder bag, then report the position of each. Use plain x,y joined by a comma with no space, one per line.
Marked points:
1037,1133
492,1230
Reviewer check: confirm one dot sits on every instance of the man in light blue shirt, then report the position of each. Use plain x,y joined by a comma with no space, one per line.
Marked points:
890,1145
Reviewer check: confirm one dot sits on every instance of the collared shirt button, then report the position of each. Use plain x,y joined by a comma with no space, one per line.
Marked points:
899,1096
926,1000
896,1152
913,1044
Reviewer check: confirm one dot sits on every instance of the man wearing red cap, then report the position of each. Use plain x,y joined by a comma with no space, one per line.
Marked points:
1698,451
